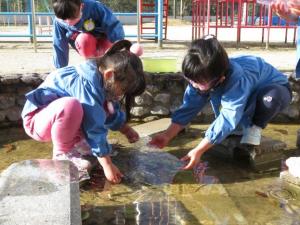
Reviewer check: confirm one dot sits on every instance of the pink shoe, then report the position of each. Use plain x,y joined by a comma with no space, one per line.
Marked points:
80,157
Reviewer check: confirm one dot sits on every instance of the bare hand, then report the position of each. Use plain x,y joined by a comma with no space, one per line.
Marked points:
294,6
159,140
112,173
130,133
281,9
192,159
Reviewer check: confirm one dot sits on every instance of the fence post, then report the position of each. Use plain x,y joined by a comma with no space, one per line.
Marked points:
33,25
138,21
239,23
160,4
269,26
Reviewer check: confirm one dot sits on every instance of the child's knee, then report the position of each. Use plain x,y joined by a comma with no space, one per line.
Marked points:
72,106
86,45
274,97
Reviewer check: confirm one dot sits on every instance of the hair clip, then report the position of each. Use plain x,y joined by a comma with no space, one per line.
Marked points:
209,36
137,49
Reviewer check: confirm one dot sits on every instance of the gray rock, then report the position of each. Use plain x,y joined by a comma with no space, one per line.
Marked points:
160,110
144,99
39,192
163,98
2,115
13,113
152,89
7,101
266,156
295,97
140,111
11,79
31,79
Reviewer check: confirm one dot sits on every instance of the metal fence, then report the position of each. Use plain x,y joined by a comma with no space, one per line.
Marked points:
209,16
33,25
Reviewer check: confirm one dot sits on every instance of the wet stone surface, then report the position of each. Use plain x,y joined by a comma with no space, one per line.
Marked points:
267,156
217,191
39,192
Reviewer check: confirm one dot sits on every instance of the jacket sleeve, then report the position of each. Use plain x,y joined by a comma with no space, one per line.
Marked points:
110,24
60,46
93,123
115,121
233,103
193,102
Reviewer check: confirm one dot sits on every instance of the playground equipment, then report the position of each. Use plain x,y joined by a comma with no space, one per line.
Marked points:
212,15
148,23
39,24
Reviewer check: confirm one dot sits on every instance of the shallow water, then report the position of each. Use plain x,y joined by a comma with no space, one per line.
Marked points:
218,192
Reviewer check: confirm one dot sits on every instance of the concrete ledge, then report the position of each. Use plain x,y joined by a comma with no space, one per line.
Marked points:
39,192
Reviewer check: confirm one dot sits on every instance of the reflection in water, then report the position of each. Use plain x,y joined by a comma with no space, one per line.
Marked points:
199,174
152,206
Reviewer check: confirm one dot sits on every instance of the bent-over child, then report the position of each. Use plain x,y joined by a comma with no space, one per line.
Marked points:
245,93
87,25
78,104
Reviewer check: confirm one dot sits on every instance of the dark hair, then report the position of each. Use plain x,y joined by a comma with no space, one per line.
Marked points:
128,71
206,60
66,9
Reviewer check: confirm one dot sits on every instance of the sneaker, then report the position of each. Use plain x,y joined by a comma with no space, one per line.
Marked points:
252,135
83,166
80,157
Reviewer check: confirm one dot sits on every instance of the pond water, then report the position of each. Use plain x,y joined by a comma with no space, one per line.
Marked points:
218,192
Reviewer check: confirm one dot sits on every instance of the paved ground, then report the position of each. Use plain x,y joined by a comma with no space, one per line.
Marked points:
19,57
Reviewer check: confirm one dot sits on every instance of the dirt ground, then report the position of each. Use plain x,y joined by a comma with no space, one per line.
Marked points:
18,55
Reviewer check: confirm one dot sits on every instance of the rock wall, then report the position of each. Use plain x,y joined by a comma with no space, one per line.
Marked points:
163,95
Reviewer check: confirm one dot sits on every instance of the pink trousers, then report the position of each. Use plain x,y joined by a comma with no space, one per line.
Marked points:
59,122
88,46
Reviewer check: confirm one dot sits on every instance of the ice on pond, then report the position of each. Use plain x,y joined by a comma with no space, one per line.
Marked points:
150,165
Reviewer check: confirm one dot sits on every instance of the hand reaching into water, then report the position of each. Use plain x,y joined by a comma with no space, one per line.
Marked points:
111,172
192,159
130,133
160,140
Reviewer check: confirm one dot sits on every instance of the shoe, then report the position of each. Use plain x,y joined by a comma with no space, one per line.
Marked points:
252,135
80,156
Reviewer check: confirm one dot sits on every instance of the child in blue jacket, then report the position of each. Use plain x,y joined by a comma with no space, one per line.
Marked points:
87,25
245,92
78,103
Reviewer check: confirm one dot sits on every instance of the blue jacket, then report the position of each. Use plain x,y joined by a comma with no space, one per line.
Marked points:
85,83
232,101
93,11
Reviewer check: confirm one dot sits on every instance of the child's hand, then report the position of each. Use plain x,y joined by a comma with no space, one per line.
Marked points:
111,172
130,133
281,9
160,140
192,159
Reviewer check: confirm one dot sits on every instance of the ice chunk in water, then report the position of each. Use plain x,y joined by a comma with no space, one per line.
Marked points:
151,165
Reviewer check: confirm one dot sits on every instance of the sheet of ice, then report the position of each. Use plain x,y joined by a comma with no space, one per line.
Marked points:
150,165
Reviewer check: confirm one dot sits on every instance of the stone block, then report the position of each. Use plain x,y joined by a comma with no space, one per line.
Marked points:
267,156
39,192
286,176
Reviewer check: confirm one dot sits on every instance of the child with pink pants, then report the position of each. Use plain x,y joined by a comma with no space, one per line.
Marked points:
76,106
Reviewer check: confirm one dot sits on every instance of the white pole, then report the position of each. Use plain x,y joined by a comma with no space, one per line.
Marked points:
138,22
160,4
174,9
33,25
181,9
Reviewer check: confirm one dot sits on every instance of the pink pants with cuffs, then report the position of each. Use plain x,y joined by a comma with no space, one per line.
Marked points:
59,122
